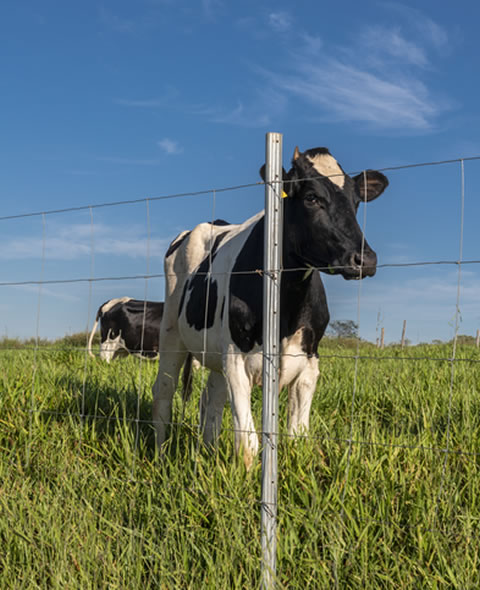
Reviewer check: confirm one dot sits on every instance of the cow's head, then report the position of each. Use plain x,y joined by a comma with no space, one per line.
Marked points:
112,343
321,228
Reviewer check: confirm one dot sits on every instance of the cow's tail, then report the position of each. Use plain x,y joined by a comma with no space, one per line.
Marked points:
92,334
187,377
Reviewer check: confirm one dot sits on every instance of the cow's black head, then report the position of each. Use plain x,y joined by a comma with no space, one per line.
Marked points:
321,228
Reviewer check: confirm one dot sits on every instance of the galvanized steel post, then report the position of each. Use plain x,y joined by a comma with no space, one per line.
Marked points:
271,352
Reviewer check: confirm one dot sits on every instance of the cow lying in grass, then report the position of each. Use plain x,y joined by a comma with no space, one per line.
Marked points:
223,310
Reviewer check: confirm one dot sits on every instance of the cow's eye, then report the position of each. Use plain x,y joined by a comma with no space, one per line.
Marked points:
311,197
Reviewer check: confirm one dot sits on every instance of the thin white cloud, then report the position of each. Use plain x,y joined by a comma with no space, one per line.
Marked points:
141,103
259,111
211,7
385,41
46,292
344,92
280,22
115,22
430,31
167,98
376,80
312,43
130,161
169,146
76,241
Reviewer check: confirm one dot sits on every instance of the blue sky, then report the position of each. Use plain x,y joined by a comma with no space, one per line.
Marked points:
111,101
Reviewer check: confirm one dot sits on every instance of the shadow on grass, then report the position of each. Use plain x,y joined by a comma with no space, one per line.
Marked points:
108,413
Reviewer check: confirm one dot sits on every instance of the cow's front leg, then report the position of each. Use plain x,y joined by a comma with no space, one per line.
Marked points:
300,395
164,387
212,403
239,390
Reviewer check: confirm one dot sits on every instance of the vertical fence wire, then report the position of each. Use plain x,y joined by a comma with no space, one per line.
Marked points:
455,341
203,402
355,383
33,405
89,311
140,382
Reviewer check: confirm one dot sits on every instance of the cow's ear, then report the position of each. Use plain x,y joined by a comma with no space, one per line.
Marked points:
370,184
285,177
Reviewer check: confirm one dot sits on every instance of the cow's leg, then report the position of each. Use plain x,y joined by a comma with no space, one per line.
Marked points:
164,387
212,403
239,390
300,395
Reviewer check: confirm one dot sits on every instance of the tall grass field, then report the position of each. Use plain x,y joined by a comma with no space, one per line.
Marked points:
87,502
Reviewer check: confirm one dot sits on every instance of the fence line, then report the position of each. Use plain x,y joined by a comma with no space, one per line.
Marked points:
279,434
350,441
243,273
54,349
218,190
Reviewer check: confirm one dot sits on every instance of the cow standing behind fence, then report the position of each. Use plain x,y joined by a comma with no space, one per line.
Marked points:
128,326
132,326
214,296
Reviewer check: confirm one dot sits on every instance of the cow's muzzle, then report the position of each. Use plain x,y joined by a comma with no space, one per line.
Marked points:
360,265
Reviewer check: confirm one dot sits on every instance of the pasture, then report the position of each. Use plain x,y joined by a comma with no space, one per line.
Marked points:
86,502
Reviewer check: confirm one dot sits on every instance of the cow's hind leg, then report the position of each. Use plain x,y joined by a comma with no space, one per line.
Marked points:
212,403
164,387
300,395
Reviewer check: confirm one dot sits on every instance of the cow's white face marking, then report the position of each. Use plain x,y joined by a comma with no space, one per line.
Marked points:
110,346
108,306
326,165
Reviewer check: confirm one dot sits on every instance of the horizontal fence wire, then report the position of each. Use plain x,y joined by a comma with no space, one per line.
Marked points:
197,427
217,190
325,269
59,349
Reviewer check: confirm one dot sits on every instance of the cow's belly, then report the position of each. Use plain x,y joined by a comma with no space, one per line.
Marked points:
207,348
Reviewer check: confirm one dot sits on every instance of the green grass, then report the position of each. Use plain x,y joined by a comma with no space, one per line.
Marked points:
87,503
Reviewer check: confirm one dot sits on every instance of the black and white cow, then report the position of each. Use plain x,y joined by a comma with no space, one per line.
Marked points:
222,312
128,326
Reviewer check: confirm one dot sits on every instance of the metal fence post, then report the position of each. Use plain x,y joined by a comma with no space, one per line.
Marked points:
271,350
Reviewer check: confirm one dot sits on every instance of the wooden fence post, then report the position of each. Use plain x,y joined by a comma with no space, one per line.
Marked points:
403,332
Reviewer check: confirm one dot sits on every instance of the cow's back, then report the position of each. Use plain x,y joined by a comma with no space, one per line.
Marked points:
189,308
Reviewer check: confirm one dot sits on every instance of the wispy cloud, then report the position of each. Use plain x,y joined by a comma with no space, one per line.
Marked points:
211,7
376,80
46,292
280,22
428,30
149,103
76,241
115,22
343,92
169,146
384,42
129,161
167,97
258,111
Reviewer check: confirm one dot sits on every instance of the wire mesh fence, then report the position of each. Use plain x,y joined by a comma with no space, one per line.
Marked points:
413,408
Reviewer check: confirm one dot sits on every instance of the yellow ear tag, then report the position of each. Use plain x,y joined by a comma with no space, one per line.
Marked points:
284,195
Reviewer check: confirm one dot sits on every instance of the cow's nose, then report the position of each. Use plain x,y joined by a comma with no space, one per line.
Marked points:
366,261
